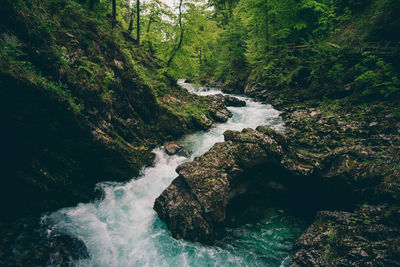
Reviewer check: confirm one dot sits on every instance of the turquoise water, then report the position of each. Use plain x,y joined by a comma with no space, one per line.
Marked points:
123,229
266,242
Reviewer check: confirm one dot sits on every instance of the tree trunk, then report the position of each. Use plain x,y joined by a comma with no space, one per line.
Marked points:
200,59
138,22
181,35
266,26
114,12
128,13
131,22
148,25
91,5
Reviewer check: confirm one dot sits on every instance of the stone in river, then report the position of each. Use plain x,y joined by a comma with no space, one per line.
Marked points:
172,148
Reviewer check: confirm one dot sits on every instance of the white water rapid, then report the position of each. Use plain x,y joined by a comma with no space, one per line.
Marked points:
123,229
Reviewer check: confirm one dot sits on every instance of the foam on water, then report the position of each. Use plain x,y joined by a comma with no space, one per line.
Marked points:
123,229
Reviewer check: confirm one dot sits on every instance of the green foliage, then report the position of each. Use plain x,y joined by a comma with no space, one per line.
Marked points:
232,64
258,36
237,42
196,57
375,77
97,77
13,61
11,48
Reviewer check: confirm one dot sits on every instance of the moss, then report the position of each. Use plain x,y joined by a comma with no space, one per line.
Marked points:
230,146
330,256
12,62
332,237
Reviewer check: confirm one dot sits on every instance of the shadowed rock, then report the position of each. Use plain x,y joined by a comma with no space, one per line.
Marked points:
195,203
231,101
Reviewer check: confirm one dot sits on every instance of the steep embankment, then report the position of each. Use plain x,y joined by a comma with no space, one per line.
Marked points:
80,104
357,144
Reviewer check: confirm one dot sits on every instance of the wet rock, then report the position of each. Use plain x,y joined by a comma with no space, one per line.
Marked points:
221,115
231,101
360,156
183,213
265,95
27,242
172,148
195,203
207,122
185,153
214,84
370,236
217,109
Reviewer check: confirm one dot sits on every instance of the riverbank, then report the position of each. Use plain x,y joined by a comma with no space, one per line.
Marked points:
341,156
360,145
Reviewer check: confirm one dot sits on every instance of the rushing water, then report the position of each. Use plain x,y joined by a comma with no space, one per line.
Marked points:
123,229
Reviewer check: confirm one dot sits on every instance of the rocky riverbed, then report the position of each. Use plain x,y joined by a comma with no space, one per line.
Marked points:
338,159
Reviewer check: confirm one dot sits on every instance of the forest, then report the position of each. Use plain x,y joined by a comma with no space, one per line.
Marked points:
200,133
280,44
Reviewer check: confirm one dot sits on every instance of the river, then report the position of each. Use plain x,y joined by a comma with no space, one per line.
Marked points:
123,229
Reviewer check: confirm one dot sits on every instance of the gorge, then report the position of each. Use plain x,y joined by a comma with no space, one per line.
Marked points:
281,147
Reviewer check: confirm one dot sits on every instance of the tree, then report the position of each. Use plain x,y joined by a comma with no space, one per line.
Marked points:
156,28
114,13
223,10
130,28
92,3
138,22
180,35
232,63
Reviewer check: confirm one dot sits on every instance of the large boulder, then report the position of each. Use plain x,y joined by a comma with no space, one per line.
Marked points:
230,101
221,115
194,205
